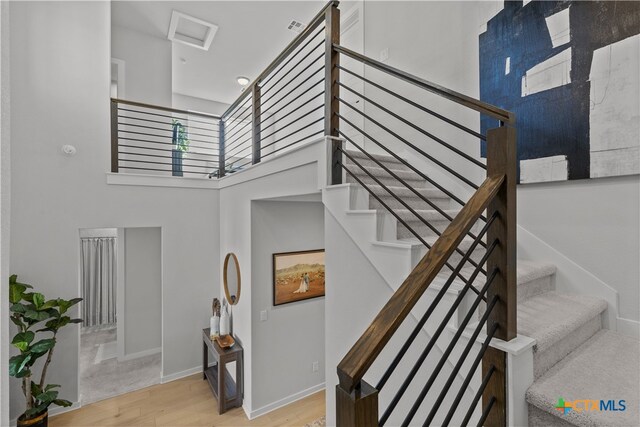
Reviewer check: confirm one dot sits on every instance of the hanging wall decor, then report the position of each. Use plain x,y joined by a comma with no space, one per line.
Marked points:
569,70
298,276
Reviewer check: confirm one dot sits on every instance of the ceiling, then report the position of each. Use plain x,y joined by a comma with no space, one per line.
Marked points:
249,37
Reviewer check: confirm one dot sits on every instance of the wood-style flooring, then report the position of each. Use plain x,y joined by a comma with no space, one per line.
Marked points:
184,402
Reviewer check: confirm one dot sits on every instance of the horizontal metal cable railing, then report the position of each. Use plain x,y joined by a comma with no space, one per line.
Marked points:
158,140
283,106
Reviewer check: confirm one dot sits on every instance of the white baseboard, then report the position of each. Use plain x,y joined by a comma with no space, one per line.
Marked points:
61,409
176,376
628,327
570,276
283,402
140,354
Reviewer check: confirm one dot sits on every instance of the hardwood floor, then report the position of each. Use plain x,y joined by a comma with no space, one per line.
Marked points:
184,402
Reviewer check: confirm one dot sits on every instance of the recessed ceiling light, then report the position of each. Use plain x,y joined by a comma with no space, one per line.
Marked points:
243,81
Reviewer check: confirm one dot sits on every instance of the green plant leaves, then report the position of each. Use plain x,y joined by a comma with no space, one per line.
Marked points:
36,410
47,396
16,320
17,363
22,340
43,346
38,300
28,309
37,316
64,305
18,308
16,291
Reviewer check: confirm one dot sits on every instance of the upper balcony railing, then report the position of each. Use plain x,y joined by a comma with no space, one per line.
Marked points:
283,106
159,140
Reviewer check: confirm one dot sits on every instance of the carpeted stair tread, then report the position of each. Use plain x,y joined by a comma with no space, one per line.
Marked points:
405,193
527,271
427,214
605,367
551,316
382,158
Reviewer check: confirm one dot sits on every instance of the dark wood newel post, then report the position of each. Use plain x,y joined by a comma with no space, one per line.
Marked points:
221,149
114,136
501,161
331,89
358,408
255,122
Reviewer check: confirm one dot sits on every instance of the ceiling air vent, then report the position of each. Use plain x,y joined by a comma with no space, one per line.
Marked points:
191,31
296,26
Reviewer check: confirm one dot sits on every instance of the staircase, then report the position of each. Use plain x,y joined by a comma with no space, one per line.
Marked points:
574,358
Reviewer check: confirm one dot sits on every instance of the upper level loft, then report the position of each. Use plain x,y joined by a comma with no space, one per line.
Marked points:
315,87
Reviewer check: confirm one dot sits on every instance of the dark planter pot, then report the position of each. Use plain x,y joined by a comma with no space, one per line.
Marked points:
176,162
41,420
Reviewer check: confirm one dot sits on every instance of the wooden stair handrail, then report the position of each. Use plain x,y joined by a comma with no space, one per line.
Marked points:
161,108
365,351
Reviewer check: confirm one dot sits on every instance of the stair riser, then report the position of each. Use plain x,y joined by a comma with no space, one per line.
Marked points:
535,287
415,203
368,163
540,418
543,361
424,230
456,257
388,181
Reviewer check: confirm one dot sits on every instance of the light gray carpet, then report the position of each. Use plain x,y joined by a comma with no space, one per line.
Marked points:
605,367
552,316
110,377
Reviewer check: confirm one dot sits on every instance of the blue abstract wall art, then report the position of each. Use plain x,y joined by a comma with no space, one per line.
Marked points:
570,71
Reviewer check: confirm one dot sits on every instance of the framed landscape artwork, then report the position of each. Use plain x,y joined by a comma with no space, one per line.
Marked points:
298,276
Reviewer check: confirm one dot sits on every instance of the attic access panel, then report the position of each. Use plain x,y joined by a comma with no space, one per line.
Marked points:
191,31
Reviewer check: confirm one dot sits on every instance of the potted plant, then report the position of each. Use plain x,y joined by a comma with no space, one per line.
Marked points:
181,146
35,316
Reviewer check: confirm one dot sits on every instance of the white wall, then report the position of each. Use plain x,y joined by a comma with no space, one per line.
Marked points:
60,65
281,177
5,199
147,65
143,290
595,223
292,338
201,105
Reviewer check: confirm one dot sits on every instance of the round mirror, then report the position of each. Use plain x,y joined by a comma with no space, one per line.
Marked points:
231,278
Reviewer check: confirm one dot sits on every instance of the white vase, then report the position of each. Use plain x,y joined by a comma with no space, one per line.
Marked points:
224,320
214,326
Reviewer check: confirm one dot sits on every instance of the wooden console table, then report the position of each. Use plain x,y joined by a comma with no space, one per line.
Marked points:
226,391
